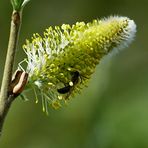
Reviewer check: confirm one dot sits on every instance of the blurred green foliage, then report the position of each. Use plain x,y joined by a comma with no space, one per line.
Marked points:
112,112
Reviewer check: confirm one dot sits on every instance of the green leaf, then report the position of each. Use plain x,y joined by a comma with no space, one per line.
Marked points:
19,4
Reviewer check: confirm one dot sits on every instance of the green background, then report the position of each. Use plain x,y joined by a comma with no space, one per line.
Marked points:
112,112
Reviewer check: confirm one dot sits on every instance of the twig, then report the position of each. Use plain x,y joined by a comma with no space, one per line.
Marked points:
6,98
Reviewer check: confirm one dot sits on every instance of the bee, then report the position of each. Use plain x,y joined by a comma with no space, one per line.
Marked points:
70,86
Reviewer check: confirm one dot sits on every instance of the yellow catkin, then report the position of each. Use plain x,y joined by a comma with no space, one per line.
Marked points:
61,62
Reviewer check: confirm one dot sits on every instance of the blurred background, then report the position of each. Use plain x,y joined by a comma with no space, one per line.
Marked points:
112,112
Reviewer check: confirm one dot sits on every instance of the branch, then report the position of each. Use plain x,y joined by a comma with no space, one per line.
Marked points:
5,97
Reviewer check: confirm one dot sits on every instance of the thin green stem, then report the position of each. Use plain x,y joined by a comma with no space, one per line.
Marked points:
5,98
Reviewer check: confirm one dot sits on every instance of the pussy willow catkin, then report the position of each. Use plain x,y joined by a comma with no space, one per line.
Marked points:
61,61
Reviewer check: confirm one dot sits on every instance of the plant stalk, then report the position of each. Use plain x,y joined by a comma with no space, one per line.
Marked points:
5,97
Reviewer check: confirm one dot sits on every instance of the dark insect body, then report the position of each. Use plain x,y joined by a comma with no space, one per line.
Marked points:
75,77
64,90
68,88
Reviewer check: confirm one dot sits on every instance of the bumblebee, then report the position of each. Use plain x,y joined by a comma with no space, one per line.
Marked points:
70,86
